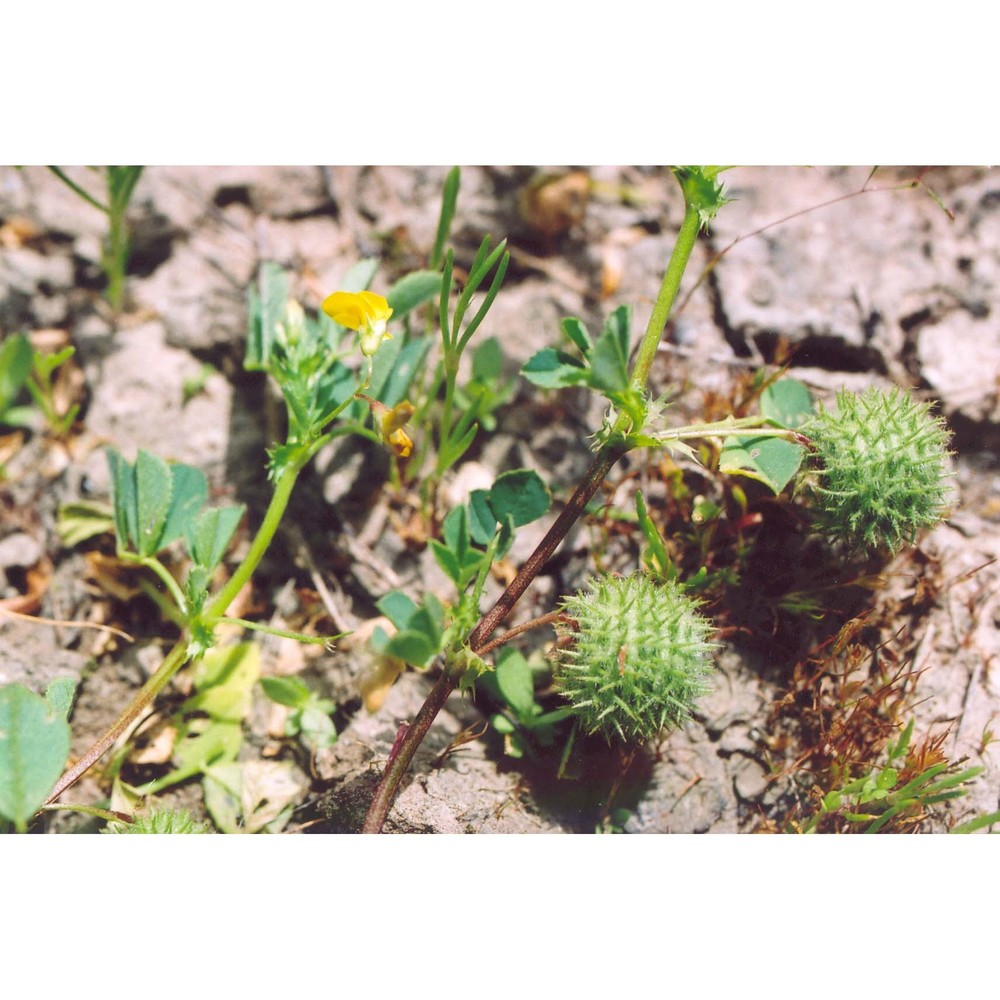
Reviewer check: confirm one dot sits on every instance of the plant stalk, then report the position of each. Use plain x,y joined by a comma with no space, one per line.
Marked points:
171,664
599,468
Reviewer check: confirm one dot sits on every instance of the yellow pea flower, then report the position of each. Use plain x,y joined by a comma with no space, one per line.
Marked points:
365,312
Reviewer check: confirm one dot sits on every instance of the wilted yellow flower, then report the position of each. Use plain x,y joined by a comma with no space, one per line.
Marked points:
393,433
365,312
393,420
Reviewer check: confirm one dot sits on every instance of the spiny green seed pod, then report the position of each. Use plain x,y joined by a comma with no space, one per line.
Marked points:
639,660
883,468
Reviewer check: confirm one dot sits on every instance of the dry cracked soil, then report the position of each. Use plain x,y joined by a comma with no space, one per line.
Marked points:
846,279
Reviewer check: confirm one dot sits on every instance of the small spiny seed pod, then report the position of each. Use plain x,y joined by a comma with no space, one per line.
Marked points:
883,468
639,657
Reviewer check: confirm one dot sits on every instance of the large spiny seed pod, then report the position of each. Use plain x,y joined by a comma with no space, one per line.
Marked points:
884,469
639,657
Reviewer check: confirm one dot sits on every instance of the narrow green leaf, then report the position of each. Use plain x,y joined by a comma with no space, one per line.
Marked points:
977,823
656,556
456,447
449,199
34,745
406,364
265,307
519,494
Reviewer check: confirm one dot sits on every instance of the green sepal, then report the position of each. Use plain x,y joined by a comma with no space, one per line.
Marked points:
702,191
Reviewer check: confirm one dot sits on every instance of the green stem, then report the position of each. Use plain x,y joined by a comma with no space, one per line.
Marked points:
272,518
151,562
107,814
281,633
602,463
686,239
116,256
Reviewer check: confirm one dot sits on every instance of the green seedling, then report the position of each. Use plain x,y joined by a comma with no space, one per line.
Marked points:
878,801
309,715
527,729
119,185
22,368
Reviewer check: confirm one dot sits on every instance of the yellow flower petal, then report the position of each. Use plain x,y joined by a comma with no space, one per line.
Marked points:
401,444
376,306
346,308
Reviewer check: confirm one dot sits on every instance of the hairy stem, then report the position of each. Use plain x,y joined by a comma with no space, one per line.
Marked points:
171,664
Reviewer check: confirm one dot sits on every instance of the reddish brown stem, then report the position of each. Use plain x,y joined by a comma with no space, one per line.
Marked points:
552,616
405,749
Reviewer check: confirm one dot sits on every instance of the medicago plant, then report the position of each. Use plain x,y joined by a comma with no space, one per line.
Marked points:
635,652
